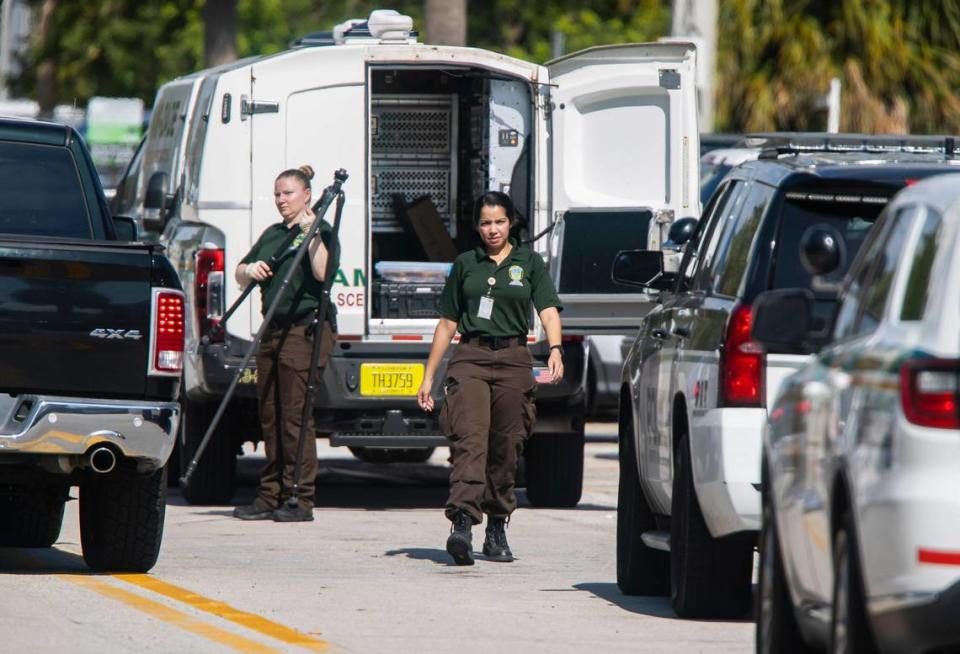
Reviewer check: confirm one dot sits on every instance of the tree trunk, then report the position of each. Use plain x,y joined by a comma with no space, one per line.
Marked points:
47,68
219,32
445,22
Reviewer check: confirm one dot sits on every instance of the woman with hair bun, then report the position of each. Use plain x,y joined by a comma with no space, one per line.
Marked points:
283,359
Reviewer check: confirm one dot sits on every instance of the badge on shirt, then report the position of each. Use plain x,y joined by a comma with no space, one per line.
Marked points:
486,308
516,275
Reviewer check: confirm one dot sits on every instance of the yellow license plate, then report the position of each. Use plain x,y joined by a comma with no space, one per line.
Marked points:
390,379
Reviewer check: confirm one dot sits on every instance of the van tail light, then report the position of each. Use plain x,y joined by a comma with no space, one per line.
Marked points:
928,392
208,293
167,333
741,363
572,338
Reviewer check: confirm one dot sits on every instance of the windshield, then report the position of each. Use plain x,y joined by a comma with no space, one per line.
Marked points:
41,193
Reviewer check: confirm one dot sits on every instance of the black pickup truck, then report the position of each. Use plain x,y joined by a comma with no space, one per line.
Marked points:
91,356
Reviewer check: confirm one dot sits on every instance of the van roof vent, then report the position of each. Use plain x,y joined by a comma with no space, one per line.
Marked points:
383,26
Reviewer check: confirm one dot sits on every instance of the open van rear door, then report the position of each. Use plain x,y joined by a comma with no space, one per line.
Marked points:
624,150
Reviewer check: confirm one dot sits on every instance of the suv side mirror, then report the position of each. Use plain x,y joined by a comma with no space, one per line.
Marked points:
126,228
642,268
156,202
783,320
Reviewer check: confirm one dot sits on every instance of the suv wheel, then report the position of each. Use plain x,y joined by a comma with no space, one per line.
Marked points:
214,480
709,577
121,519
554,469
32,517
849,627
640,570
777,629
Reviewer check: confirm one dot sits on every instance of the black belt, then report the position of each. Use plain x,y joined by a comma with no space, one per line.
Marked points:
277,323
494,342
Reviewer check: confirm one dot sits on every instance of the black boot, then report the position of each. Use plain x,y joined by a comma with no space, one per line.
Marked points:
495,546
460,542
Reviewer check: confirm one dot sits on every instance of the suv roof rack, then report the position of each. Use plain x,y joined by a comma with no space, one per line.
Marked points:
774,144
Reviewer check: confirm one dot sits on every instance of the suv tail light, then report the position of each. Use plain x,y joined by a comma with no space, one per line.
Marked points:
741,363
166,333
209,292
928,392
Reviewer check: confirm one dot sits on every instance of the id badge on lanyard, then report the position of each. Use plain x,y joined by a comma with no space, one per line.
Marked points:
485,311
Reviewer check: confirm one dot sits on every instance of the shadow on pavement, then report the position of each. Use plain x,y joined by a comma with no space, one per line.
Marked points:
440,557
41,561
658,607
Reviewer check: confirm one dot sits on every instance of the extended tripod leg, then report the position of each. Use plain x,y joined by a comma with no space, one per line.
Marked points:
318,325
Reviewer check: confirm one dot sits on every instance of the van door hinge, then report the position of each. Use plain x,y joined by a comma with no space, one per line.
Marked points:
669,79
249,107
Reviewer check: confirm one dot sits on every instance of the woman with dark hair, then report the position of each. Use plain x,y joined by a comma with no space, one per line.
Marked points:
489,408
283,360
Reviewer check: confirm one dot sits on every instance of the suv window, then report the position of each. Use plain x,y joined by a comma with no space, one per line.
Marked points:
739,230
849,214
724,210
921,264
41,193
877,292
861,292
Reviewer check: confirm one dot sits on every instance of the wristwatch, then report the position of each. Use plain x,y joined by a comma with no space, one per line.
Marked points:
557,347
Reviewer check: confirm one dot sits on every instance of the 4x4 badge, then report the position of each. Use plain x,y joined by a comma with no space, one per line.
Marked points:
100,332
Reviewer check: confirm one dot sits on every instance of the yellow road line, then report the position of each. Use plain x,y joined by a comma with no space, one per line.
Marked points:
167,614
225,611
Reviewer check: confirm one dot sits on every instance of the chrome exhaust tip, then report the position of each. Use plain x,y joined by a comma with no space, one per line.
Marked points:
102,460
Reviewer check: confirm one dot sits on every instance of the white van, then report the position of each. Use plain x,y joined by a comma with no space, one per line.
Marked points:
598,149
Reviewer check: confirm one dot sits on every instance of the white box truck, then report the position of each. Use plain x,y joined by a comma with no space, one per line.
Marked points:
598,150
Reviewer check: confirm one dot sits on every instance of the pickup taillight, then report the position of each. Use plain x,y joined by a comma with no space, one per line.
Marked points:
929,391
167,333
741,363
208,292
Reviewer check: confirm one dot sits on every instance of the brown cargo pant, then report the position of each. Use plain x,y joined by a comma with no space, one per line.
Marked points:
488,413
283,363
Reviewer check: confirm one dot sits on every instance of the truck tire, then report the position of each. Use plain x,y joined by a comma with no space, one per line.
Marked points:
641,570
215,479
392,454
32,517
554,469
121,519
709,577
777,628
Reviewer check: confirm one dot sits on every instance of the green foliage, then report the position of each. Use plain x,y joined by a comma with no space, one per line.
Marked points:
898,60
525,29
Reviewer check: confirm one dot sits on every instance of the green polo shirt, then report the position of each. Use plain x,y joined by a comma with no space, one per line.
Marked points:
305,291
520,279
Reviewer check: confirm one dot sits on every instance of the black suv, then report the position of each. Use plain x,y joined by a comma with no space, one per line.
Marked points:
695,386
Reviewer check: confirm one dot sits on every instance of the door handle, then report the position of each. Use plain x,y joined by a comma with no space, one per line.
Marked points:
660,334
682,332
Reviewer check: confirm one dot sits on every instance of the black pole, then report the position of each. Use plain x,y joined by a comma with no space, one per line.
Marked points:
329,194
319,325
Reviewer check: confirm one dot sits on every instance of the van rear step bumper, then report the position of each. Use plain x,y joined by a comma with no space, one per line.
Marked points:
338,439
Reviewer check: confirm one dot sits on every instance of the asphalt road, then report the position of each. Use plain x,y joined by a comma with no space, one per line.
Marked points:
370,574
